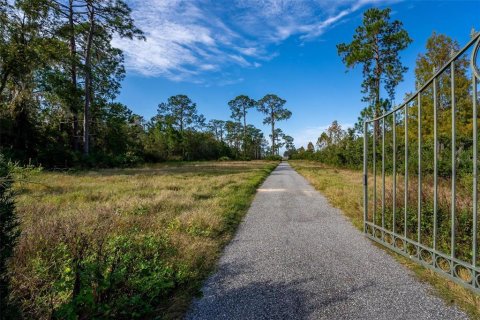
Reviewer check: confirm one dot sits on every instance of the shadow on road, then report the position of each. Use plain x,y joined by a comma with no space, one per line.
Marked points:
227,297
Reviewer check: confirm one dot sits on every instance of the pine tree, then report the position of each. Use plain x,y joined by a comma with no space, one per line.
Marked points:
273,107
376,46
239,107
9,233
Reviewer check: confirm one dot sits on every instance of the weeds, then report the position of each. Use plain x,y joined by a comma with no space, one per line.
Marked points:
125,244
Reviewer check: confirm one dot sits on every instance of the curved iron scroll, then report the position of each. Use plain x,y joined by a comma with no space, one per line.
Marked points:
473,60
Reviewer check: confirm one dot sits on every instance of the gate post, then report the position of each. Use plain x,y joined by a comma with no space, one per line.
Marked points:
365,177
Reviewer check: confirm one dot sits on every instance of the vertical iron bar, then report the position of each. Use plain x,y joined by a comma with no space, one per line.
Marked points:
383,173
374,172
406,176
365,177
454,169
434,163
475,169
394,169
419,213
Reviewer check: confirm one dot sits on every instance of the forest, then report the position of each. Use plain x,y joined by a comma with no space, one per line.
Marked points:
60,76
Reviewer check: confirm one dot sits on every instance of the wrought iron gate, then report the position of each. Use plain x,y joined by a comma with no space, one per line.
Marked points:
428,217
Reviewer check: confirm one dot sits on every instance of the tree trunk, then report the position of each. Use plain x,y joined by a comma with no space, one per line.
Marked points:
377,107
378,75
182,138
244,133
3,81
88,76
273,133
73,71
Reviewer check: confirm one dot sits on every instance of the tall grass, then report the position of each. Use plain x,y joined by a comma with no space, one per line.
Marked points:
130,243
463,212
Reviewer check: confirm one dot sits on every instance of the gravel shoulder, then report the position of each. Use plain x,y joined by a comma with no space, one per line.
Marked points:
296,257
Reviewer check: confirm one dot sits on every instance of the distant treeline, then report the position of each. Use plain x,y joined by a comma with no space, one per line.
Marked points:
344,148
59,79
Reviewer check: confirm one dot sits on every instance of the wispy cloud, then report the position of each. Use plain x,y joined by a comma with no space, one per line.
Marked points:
188,39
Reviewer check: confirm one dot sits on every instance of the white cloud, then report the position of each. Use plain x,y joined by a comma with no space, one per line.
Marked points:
188,39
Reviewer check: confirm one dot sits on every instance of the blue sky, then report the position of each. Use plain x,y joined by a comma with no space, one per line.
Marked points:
215,50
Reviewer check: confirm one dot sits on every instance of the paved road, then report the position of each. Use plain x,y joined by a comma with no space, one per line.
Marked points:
296,257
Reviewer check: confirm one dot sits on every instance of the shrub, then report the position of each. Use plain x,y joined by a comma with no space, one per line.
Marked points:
273,158
9,233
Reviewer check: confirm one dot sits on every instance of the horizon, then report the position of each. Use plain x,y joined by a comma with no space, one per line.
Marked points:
297,61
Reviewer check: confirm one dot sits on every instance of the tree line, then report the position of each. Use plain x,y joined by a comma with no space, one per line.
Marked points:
339,147
179,131
60,76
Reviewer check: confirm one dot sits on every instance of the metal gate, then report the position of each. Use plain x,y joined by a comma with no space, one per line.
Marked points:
422,202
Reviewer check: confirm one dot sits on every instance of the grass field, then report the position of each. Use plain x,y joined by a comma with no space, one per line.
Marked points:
126,243
344,190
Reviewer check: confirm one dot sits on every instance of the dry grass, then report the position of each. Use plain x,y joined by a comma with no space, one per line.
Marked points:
181,214
343,188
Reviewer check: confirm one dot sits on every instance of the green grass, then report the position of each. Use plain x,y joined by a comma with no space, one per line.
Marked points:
126,243
344,190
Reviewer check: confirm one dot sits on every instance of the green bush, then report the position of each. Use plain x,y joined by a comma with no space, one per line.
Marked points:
9,233
86,270
118,277
273,158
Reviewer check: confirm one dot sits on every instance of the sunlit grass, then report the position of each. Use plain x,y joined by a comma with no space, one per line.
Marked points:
79,227
344,190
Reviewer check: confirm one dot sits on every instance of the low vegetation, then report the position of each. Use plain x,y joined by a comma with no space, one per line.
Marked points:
125,243
344,189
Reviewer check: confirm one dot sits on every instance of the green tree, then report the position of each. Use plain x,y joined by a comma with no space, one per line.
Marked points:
5,9
239,107
273,108
217,127
376,46
181,115
121,135
158,141
64,75
46,74
335,132
255,139
310,147
289,146
323,141
233,135
25,48
9,233
104,20
439,51
277,137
